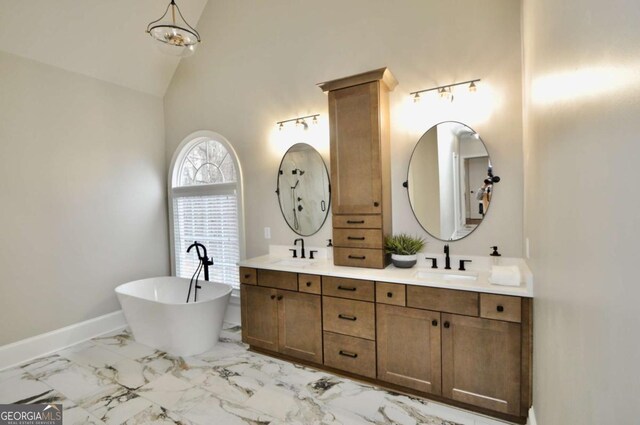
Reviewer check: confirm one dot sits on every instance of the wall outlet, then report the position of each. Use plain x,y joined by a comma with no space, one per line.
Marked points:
527,249
267,232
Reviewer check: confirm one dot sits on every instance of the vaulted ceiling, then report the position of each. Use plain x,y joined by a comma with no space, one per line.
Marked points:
104,39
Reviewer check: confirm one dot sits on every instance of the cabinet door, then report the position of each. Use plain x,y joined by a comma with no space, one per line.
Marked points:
409,347
356,174
259,317
300,325
481,362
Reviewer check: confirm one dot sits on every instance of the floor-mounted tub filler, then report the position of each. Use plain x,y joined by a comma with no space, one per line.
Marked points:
159,317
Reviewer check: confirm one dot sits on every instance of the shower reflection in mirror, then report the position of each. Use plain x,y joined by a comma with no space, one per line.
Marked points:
304,192
450,181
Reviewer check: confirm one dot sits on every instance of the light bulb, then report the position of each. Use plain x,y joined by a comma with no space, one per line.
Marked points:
445,94
416,98
315,119
472,87
281,126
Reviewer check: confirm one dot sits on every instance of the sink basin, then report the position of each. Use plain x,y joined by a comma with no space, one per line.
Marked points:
430,275
292,262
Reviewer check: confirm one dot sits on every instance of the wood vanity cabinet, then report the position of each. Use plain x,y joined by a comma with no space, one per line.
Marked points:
360,166
409,347
465,348
282,321
481,362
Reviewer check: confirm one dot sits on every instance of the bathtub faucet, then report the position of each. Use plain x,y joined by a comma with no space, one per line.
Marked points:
206,262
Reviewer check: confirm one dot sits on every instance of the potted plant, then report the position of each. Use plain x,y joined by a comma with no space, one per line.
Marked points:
403,249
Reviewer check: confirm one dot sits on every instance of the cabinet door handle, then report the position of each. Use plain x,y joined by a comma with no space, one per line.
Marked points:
355,238
308,284
434,323
389,294
347,288
347,317
273,297
446,325
280,297
348,354
355,221
357,257
376,204
500,309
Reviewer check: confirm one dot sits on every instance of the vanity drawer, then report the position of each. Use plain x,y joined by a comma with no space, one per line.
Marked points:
357,221
354,355
501,307
310,283
391,293
349,317
277,279
248,276
348,288
358,238
445,300
359,257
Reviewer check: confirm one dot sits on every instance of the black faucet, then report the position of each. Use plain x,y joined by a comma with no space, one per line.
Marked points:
295,243
206,262
447,260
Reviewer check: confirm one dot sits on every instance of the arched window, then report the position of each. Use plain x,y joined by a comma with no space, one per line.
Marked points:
206,206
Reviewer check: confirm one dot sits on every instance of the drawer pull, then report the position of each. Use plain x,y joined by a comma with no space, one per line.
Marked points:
357,257
279,297
273,297
434,322
355,221
247,276
446,325
308,284
354,238
376,204
389,294
347,317
348,354
347,288
500,309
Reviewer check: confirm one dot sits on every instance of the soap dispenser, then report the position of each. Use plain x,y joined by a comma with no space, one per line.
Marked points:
329,250
496,255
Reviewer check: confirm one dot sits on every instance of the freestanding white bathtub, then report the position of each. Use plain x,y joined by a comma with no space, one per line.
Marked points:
159,316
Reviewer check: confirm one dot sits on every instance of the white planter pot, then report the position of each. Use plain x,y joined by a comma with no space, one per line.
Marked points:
404,261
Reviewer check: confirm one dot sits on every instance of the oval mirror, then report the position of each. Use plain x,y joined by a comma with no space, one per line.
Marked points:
450,181
303,191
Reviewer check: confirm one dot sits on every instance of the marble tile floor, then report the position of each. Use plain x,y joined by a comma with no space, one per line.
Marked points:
112,379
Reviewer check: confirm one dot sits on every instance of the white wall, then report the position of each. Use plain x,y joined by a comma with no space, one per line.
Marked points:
82,184
259,63
583,89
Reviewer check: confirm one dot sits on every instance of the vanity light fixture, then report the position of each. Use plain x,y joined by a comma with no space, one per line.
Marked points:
300,121
172,32
445,94
445,91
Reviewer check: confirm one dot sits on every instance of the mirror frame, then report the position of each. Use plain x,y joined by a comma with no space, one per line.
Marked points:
326,170
406,182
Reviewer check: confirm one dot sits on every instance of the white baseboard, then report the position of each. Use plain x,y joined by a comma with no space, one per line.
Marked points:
532,417
40,345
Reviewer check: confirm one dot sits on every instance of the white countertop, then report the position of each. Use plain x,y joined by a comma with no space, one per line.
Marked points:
480,266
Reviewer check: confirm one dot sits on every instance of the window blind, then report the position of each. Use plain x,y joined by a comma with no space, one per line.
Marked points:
212,220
